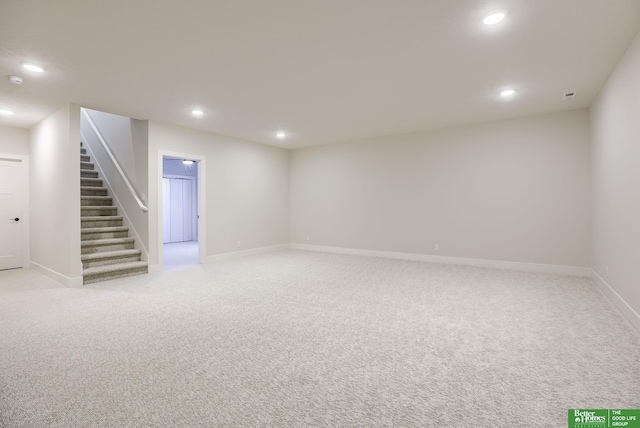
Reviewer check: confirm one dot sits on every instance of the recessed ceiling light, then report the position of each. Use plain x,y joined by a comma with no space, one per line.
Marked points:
507,93
6,112
32,67
281,134
494,17
197,112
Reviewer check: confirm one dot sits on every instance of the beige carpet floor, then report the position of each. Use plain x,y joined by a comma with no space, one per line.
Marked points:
180,253
295,338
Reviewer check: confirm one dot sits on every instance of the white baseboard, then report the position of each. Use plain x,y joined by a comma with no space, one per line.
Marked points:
244,253
627,311
56,276
495,264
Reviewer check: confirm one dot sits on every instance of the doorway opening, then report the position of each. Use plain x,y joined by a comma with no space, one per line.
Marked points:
180,211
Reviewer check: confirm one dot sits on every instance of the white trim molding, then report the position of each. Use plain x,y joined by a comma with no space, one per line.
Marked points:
495,264
56,276
244,253
627,311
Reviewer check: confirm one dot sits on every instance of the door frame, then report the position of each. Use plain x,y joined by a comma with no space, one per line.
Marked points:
194,197
25,208
202,204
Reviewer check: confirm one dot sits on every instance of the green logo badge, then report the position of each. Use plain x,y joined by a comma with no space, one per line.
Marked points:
604,418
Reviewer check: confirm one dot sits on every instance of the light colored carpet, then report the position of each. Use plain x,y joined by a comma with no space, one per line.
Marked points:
296,338
180,253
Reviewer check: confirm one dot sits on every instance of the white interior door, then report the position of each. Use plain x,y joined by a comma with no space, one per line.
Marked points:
178,211
10,213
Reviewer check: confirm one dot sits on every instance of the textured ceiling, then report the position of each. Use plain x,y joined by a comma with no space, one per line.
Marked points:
323,71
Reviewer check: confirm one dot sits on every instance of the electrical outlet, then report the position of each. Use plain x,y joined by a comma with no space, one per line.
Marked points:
307,237
436,247
238,244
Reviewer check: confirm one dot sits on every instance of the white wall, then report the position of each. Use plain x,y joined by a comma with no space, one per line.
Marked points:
246,185
140,140
615,130
515,190
127,139
55,195
14,141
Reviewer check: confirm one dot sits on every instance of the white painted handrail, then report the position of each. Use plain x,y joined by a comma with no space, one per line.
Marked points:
142,206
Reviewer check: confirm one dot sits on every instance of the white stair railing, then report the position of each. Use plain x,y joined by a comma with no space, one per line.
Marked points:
141,205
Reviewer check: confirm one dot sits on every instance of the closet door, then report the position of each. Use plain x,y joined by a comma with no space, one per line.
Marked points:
166,210
177,210
187,210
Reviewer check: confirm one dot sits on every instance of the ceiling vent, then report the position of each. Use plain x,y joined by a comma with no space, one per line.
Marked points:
569,96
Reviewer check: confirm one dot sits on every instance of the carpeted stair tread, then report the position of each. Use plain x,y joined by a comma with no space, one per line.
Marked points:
104,207
93,191
103,232
91,181
94,188
104,229
90,222
96,201
101,218
87,200
108,241
120,267
91,211
110,254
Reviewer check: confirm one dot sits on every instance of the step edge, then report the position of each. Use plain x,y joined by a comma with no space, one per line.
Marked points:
110,254
107,241
105,229
117,267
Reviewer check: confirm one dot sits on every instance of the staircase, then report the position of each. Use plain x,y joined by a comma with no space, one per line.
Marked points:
107,251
